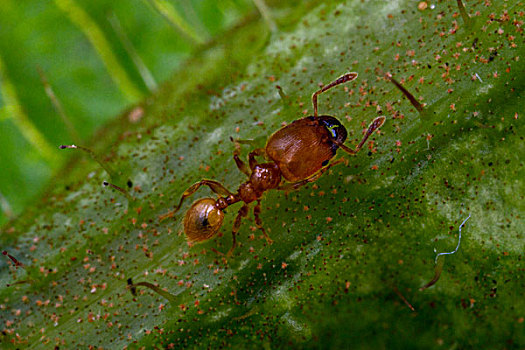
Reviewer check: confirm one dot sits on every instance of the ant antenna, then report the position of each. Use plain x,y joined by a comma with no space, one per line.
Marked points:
93,156
341,80
133,289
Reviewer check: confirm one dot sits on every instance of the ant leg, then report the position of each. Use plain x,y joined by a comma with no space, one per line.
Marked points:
258,152
238,161
258,221
236,225
255,153
341,80
241,165
374,125
215,186
314,177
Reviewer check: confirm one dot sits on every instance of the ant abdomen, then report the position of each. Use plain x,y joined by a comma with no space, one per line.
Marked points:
203,220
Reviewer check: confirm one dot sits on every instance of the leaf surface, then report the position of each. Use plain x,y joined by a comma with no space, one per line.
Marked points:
349,248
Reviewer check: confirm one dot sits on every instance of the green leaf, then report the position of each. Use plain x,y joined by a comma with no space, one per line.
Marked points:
65,76
348,250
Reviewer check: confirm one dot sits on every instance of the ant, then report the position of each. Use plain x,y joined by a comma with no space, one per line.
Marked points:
299,152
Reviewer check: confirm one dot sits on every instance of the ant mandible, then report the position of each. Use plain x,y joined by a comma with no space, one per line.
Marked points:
299,152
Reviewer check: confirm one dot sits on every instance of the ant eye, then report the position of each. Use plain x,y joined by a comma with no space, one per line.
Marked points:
333,125
203,220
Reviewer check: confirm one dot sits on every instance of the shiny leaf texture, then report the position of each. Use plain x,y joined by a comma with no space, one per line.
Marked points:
350,249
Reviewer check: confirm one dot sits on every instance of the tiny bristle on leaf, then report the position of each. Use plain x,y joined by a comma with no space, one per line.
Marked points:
131,287
67,146
418,106
15,261
93,156
118,188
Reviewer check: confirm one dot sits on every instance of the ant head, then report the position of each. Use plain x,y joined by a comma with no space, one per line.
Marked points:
203,220
337,130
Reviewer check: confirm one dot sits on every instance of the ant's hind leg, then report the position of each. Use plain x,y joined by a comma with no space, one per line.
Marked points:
236,225
215,186
258,221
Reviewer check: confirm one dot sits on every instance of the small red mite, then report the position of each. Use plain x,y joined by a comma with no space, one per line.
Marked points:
300,153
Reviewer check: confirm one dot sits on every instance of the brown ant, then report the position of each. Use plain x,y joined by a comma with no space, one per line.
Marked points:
299,152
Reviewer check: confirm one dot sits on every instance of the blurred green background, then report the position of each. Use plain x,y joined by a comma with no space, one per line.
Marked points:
69,66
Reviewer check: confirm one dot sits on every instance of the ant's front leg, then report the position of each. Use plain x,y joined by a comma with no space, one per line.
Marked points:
215,186
238,161
258,152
